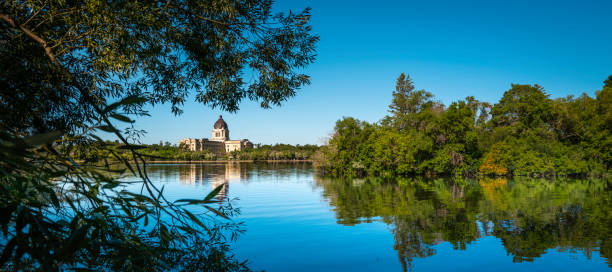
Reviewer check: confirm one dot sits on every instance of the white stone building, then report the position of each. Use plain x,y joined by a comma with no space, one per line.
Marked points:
219,143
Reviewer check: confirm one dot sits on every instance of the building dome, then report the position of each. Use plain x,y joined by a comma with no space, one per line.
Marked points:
220,124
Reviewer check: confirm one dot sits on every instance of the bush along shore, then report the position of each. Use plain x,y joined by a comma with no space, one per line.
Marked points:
278,152
167,152
526,133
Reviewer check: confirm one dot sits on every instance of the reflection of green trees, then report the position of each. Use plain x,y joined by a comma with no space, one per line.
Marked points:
532,216
529,216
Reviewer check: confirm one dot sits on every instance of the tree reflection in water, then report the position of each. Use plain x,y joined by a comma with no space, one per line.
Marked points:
530,216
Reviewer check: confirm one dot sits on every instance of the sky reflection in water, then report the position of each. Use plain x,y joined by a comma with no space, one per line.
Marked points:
297,221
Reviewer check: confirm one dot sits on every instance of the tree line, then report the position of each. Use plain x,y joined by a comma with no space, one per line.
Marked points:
275,152
113,152
525,133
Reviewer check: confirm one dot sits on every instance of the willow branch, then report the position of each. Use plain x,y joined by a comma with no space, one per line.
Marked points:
35,14
136,157
33,36
49,52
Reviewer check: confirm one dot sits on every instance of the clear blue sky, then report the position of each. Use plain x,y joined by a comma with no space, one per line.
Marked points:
453,49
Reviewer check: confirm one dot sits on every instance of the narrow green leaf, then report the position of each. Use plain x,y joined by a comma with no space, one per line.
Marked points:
195,219
134,99
129,100
42,138
214,192
196,201
54,199
107,128
110,185
217,212
121,117
186,200
164,234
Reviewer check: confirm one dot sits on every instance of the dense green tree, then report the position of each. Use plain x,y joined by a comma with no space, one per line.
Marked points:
276,152
411,108
523,107
602,137
525,133
457,137
70,69
348,148
562,136
608,82
394,153
572,117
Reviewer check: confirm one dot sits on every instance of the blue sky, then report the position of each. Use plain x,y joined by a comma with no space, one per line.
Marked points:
453,49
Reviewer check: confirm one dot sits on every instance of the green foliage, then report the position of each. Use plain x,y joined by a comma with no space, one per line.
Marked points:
523,107
161,50
410,107
608,82
113,152
399,151
525,133
348,147
70,70
109,151
275,152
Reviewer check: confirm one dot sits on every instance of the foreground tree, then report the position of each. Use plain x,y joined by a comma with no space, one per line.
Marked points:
69,69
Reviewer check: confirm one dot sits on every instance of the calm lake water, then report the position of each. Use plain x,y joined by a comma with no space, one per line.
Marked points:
297,221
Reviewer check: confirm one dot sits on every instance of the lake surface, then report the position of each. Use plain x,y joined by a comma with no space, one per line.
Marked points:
297,221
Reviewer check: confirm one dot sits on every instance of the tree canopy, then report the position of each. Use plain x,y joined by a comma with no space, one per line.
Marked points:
524,133
64,58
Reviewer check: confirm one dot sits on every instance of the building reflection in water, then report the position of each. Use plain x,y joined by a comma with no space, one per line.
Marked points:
221,174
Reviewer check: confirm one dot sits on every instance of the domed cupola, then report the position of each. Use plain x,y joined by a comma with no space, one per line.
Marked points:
220,132
220,124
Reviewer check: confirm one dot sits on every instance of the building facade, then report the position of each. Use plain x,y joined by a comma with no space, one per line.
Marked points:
219,144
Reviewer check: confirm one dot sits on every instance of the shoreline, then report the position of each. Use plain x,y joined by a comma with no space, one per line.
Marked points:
224,161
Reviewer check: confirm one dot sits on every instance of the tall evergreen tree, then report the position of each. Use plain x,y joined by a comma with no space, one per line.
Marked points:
403,88
408,105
